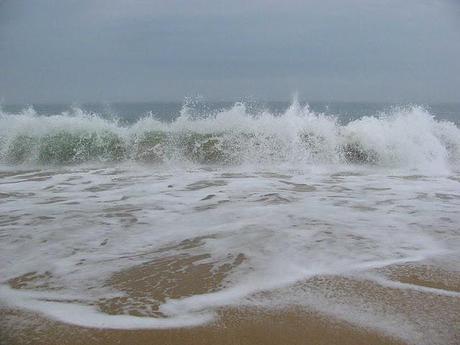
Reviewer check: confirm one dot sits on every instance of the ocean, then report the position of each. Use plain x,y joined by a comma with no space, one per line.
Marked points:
161,215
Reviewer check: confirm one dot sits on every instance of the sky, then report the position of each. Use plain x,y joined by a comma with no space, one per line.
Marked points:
148,50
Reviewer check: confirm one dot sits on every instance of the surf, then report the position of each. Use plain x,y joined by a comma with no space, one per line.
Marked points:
407,137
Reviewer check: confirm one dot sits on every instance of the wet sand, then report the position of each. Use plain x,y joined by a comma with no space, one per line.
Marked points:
234,327
180,277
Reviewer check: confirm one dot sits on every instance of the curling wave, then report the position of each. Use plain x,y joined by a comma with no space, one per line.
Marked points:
407,137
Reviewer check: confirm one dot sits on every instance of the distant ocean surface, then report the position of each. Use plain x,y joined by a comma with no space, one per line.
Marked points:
225,205
168,111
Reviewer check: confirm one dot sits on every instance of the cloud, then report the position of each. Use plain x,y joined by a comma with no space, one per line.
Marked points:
148,50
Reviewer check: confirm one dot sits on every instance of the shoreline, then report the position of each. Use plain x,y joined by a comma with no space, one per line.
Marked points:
253,325
234,326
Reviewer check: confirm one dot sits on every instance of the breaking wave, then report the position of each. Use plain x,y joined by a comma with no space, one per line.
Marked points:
406,137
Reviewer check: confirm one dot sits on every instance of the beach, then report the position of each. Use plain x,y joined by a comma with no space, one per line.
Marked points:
232,229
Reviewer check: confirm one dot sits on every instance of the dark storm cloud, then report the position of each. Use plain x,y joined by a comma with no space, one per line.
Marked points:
105,50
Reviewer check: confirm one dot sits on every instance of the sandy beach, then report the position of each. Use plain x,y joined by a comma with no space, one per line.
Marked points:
229,172
280,229
427,293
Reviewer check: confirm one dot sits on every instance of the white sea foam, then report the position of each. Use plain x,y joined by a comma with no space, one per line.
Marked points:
404,138
292,207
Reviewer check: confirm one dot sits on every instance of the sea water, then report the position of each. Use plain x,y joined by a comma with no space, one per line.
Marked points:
276,194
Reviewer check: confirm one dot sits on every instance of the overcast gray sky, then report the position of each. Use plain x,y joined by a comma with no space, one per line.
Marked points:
139,50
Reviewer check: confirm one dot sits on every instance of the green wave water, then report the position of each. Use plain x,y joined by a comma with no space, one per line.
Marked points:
407,137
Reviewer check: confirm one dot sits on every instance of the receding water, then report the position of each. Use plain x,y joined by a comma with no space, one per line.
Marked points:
224,208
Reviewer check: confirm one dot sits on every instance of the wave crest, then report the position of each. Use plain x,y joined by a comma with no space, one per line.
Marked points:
407,137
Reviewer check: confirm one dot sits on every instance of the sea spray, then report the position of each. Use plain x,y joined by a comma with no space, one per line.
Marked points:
405,137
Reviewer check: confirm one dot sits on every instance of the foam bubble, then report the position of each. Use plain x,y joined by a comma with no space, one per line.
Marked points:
407,137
